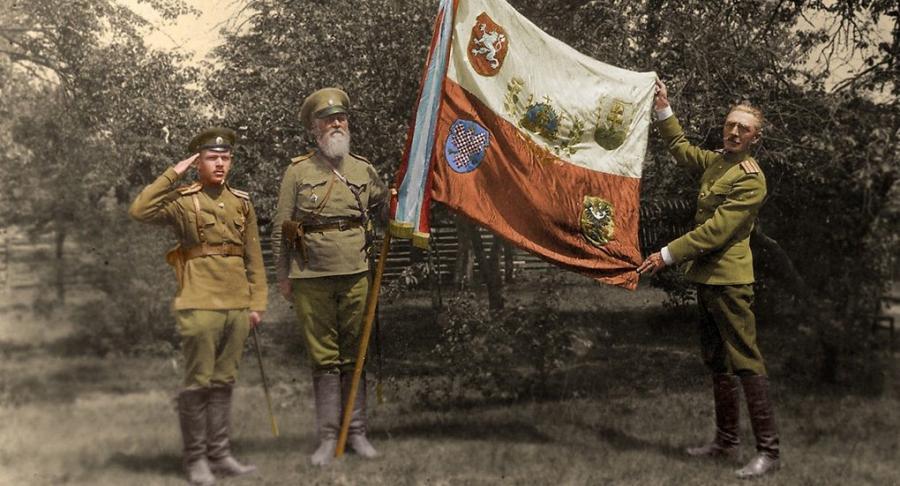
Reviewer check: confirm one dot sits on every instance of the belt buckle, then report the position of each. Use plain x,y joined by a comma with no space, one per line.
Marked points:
342,225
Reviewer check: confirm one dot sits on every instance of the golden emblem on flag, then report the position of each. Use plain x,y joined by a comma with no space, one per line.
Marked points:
488,46
559,131
597,221
613,119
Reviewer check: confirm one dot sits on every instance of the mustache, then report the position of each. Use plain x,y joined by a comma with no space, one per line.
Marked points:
335,131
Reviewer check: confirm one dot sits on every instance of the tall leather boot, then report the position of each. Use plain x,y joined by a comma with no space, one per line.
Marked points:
756,389
728,406
327,388
192,410
356,437
218,425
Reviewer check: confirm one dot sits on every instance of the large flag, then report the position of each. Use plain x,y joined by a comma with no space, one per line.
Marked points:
529,138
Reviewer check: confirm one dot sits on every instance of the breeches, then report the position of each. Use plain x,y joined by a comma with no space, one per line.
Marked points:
330,314
212,342
728,329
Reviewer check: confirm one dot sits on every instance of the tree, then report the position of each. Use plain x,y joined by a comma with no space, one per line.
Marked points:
94,113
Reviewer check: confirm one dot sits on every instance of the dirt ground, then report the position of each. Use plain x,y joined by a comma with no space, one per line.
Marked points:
641,397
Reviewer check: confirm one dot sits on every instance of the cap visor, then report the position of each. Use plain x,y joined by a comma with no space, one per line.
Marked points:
331,110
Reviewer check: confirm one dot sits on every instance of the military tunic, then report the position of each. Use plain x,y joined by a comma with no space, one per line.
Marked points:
216,290
717,251
328,268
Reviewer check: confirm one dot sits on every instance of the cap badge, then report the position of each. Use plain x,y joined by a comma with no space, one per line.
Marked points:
220,140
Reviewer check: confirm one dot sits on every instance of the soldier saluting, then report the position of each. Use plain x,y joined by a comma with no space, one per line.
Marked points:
221,297
320,240
732,191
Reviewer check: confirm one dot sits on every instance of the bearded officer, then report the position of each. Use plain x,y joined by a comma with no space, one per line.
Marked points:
221,296
321,236
717,251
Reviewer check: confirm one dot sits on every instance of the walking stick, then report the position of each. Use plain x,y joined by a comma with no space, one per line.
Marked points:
262,373
371,300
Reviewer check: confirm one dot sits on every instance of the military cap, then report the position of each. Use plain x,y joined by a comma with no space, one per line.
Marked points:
217,139
322,103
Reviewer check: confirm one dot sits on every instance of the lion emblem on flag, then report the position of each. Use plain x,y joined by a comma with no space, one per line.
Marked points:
488,46
597,221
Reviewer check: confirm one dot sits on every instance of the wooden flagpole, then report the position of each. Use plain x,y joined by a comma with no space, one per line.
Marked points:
371,301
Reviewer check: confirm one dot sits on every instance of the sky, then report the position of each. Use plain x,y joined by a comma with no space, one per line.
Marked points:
189,34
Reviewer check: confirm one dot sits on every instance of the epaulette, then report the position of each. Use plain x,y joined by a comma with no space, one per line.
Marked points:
239,193
185,190
301,158
360,157
750,166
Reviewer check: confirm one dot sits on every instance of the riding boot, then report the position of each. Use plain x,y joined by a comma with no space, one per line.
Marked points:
762,419
192,411
218,424
727,400
356,437
327,389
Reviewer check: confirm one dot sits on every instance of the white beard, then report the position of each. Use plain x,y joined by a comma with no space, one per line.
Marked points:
334,144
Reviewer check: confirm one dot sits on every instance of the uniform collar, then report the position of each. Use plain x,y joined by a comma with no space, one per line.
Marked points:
214,191
736,156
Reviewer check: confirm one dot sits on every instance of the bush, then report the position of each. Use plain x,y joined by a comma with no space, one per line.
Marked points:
500,355
136,286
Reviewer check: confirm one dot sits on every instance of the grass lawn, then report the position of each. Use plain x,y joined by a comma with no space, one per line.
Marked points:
622,412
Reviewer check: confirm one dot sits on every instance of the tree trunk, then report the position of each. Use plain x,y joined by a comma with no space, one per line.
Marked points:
492,273
464,265
508,261
60,263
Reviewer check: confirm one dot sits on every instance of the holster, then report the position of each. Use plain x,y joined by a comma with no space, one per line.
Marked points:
292,237
175,258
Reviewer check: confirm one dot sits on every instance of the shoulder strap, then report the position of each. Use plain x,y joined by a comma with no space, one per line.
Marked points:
191,189
750,167
244,196
325,198
301,158
200,234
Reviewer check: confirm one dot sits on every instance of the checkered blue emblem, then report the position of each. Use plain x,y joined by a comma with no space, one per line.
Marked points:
466,145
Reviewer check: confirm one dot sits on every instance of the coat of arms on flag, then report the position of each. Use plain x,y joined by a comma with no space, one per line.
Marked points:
530,138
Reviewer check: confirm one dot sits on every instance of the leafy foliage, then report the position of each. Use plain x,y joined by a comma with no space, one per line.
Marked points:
90,114
500,354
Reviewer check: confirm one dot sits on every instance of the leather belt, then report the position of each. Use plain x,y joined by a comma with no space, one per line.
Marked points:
205,249
341,225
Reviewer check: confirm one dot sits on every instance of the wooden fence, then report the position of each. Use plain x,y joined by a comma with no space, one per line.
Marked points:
27,261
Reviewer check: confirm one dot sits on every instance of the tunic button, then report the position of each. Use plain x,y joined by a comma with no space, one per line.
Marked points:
222,205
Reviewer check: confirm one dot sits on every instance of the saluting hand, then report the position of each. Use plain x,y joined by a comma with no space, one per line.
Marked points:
186,164
652,264
661,99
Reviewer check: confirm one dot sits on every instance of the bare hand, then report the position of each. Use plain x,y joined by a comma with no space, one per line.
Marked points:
255,318
652,264
186,164
284,288
661,100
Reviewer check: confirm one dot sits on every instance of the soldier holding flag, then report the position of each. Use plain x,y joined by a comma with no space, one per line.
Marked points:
717,251
321,237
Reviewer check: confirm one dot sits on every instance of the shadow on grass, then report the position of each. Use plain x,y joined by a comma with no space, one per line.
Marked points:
299,443
623,442
168,464
494,430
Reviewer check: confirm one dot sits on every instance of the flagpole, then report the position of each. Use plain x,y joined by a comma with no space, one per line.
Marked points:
371,301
